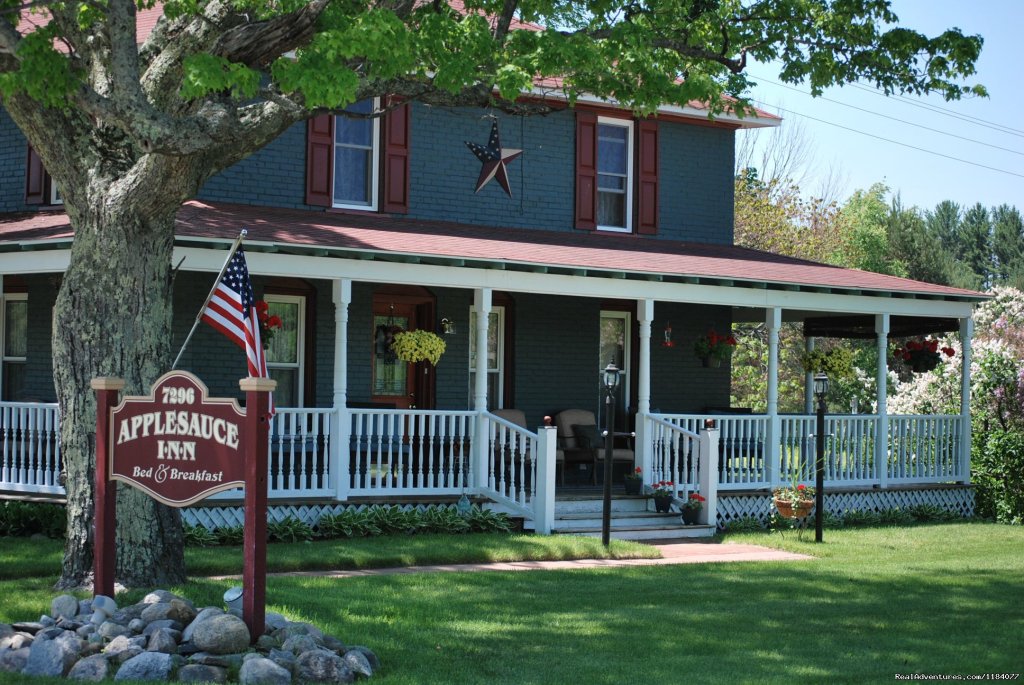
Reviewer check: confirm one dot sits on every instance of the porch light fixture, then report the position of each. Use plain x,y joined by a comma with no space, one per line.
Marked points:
667,340
448,326
820,391
610,378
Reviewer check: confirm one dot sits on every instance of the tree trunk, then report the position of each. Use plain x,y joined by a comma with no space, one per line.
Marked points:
112,318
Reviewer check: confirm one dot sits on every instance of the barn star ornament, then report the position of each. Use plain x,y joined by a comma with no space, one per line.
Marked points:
494,158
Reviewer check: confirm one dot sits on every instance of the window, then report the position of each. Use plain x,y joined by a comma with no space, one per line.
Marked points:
616,174
359,163
614,178
495,356
614,348
285,353
356,157
15,340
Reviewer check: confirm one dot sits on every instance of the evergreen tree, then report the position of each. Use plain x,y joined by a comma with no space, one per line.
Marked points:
974,244
944,222
917,246
1008,246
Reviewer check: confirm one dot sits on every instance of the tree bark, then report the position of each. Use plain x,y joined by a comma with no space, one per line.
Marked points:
111,318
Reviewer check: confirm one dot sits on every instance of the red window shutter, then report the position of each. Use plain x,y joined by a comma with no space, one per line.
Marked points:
586,170
647,177
36,180
396,160
320,161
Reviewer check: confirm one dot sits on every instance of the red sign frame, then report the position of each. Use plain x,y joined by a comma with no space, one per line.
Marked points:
177,444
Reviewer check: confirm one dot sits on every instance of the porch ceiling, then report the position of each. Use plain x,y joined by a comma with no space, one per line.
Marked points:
578,253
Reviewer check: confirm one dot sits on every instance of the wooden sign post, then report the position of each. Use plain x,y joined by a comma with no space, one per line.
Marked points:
179,446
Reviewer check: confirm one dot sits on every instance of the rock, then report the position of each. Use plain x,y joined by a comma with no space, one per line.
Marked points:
29,627
49,633
293,629
47,621
110,630
147,666
261,671
6,630
334,644
13,660
166,623
69,624
298,644
86,630
16,641
224,634
265,643
176,610
322,666
274,621
49,657
358,662
136,625
368,653
71,642
92,669
225,660
198,673
188,648
157,596
64,606
200,617
162,641
84,607
282,658
121,649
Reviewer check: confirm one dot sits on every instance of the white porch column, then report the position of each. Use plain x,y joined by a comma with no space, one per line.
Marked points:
773,321
544,503
966,334
882,442
341,294
709,476
645,315
481,462
809,380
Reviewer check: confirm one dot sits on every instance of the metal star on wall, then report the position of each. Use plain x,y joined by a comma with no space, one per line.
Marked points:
494,159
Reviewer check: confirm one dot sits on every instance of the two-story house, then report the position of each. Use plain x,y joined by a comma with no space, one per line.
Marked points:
614,244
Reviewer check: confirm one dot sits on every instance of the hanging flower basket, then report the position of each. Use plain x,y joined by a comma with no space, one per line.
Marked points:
794,510
712,348
418,346
923,354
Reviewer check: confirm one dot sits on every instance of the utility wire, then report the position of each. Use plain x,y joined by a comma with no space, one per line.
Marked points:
889,140
902,121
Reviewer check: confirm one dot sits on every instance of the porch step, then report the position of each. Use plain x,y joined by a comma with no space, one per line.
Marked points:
631,519
591,505
619,519
675,532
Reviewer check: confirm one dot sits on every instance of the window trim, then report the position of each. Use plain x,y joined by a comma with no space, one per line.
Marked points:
627,124
501,369
4,357
373,169
300,343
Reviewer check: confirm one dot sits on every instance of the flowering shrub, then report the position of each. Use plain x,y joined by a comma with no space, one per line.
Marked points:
269,323
794,494
663,488
922,354
714,346
695,502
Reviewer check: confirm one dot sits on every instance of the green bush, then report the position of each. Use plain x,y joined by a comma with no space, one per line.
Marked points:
487,521
348,523
199,536
230,535
858,517
997,471
744,524
288,530
435,519
24,519
896,517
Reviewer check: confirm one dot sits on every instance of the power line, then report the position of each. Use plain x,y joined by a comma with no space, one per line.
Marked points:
889,140
902,121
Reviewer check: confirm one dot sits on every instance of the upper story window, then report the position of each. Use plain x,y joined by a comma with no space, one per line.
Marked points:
614,174
39,186
357,162
356,157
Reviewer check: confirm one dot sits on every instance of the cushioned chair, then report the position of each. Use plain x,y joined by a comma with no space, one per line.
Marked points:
579,439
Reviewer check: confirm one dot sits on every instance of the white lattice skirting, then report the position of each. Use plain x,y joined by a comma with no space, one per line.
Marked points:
213,518
956,499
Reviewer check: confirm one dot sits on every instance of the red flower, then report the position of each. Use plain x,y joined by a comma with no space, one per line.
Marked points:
639,470
696,497
948,351
262,306
274,322
801,487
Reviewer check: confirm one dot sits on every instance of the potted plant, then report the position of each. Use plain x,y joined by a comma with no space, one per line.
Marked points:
922,354
712,348
663,494
691,508
794,501
418,346
634,481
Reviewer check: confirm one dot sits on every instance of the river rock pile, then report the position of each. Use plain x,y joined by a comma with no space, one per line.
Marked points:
165,638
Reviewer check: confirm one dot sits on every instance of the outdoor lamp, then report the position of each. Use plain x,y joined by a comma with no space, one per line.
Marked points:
448,326
611,377
820,385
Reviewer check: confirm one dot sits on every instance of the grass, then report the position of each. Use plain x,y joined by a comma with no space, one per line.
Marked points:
942,599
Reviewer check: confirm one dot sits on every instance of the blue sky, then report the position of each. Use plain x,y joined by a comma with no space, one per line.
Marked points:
923,179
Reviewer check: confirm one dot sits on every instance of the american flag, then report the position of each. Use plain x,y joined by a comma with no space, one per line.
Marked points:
232,311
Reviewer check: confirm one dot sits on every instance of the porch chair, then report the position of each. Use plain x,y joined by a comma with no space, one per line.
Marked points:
579,436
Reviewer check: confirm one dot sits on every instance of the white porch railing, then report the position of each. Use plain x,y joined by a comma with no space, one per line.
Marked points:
30,448
925,449
675,453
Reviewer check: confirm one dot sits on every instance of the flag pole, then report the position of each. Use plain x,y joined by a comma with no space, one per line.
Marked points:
216,282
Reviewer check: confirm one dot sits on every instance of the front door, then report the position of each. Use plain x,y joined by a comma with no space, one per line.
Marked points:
394,381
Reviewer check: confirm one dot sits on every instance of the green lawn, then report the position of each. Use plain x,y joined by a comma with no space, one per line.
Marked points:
941,599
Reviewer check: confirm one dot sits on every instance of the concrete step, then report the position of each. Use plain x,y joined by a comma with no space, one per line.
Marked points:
648,532
618,519
583,505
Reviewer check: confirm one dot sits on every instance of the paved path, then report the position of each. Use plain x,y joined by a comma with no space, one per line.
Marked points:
672,553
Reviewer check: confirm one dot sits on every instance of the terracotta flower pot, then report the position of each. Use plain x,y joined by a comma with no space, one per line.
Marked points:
796,510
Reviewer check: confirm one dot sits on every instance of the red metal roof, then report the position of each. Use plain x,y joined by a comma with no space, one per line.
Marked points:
388,235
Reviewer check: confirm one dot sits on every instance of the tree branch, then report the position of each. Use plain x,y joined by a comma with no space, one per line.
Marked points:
256,44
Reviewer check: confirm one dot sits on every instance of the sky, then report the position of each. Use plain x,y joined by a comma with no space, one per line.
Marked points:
857,160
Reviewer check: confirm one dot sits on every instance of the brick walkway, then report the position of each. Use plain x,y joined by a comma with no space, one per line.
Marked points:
672,553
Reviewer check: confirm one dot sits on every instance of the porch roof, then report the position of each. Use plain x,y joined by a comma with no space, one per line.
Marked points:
398,239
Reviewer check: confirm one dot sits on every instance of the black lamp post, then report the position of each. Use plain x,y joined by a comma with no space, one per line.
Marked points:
820,391
610,379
